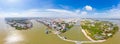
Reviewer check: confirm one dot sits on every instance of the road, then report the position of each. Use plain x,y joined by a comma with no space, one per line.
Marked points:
80,42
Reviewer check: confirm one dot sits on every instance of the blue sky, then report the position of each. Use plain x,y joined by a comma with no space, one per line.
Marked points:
77,7
97,4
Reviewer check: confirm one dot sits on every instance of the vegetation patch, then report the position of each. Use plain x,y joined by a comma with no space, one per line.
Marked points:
99,30
19,23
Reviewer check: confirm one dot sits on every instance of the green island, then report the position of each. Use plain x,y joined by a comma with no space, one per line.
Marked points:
19,23
99,30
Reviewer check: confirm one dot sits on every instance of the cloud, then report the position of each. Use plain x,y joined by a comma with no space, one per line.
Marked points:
83,13
88,8
41,13
111,13
114,13
77,11
60,10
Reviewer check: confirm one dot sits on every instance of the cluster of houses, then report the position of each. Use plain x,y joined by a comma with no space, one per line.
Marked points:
106,29
58,25
20,24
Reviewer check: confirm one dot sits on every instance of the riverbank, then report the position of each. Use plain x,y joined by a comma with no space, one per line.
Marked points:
90,37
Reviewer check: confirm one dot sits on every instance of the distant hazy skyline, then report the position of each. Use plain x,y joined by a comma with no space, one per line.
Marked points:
60,8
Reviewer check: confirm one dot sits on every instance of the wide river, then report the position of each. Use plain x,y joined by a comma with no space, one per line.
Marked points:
36,35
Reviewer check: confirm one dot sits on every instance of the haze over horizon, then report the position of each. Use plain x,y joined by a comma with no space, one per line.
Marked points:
60,8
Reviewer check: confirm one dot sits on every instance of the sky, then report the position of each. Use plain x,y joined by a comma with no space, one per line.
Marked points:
60,8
